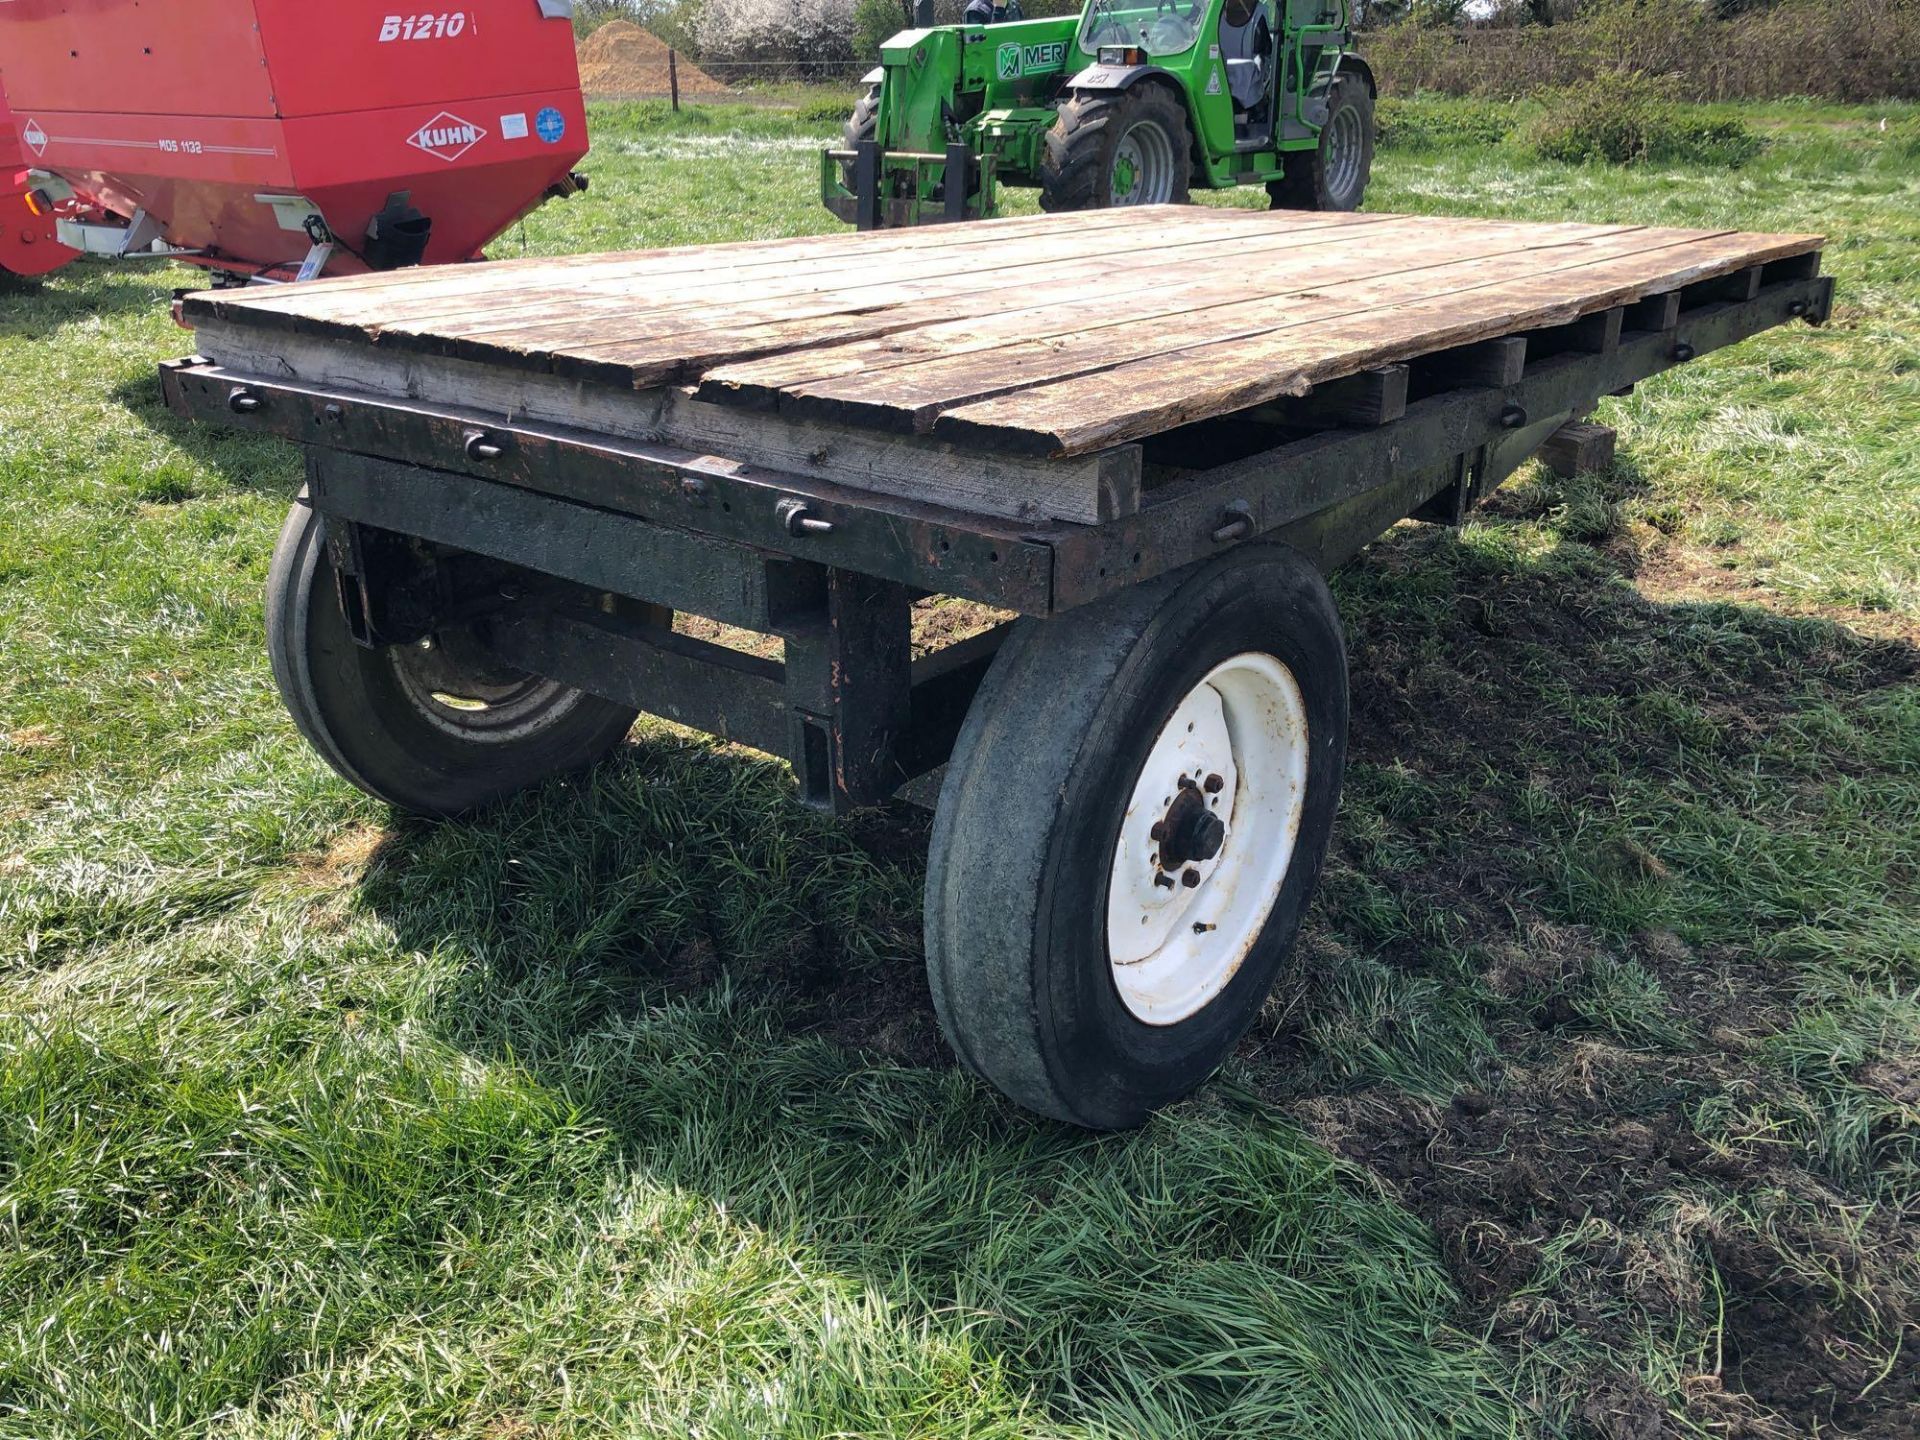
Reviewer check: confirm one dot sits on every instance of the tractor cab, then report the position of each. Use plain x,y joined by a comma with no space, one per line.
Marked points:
1131,102
1250,49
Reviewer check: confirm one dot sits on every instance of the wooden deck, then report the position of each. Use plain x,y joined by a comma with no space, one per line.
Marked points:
1048,336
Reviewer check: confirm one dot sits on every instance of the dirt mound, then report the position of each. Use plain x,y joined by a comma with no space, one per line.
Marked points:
622,59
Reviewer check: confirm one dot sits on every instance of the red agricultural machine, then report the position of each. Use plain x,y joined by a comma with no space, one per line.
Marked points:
29,242
278,139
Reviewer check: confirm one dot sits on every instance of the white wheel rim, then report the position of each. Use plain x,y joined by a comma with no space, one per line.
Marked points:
1237,745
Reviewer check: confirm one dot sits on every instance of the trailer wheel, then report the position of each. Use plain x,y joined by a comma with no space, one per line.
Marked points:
436,727
1125,148
1334,176
1131,826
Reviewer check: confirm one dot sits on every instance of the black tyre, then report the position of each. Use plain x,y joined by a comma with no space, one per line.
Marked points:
1334,176
437,727
1130,148
861,126
1129,833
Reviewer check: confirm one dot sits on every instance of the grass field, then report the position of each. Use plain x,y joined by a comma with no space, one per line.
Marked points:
1592,1107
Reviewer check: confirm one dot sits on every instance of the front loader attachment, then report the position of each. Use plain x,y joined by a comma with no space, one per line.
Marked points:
872,189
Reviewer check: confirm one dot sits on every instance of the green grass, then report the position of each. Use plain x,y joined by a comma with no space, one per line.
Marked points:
1593,1106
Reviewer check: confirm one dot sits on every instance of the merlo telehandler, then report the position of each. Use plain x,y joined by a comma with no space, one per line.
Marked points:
1125,104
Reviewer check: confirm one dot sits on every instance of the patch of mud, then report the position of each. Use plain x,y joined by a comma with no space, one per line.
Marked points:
880,1006
1569,1192
1669,572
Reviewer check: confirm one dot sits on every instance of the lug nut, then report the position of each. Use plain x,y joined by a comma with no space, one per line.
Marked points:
1191,879
1215,785
1163,880
1159,831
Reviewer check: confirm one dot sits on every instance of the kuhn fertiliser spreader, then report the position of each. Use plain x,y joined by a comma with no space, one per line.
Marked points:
281,139
29,244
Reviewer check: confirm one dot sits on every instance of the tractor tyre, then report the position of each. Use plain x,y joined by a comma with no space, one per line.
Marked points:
1334,176
438,727
861,126
1130,148
1131,828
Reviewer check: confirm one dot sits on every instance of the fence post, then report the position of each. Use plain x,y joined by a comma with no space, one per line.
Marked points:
673,77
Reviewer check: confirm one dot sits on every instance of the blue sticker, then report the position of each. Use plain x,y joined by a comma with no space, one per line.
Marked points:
551,125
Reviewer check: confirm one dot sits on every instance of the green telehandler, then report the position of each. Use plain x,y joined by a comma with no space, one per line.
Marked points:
1125,104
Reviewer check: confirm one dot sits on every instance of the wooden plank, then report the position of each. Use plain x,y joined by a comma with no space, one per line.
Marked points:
1498,363
321,296
938,549
480,289
641,353
1130,401
1578,448
1057,335
919,393
1655,313
1590,335
1740,285
1257,272
535,269
591,327
657,349
1182,518
487,391
504,325
1373,397
613,294
1085,490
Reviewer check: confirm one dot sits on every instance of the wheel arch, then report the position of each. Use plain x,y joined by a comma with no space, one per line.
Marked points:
1112,79
1351,64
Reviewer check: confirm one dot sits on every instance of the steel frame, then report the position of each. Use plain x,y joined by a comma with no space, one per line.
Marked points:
833,570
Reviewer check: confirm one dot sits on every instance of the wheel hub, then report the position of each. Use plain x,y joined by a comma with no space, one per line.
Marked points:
1144,166
1189,831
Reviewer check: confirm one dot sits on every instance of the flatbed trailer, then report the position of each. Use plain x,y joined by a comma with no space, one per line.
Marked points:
1144,434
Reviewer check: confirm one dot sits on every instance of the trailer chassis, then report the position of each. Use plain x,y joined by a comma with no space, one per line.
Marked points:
562,551
833,570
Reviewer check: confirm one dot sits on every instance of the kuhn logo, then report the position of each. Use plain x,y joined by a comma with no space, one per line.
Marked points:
447,137
35,137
